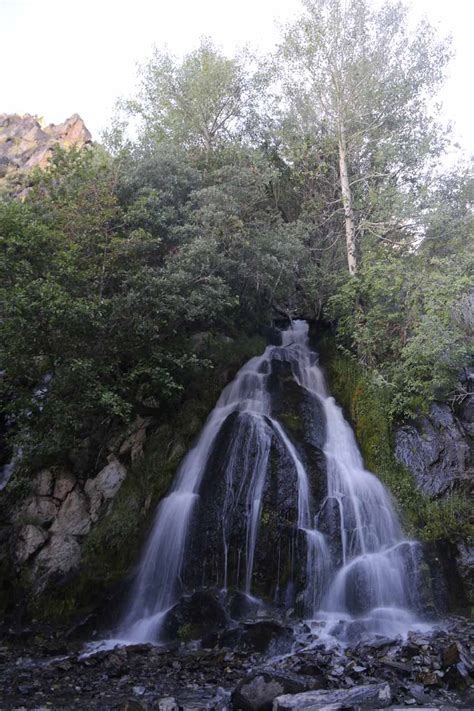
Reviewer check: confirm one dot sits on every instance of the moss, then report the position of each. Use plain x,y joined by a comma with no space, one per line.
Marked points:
115,542
188,632
366,404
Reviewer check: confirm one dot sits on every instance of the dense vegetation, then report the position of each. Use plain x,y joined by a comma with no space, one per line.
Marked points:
307,184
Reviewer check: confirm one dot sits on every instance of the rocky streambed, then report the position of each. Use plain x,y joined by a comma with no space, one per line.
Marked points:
242,671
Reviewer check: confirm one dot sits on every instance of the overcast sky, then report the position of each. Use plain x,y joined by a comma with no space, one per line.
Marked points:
58,58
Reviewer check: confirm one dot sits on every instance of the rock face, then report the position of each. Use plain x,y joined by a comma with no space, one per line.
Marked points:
25,143
53,522
279,563
439,451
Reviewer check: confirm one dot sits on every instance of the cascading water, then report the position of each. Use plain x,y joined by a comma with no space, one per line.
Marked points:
359,567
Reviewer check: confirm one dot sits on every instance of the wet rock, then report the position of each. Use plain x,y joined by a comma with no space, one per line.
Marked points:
73,516
30,539
375,696
241,605
258,636
195,616
465,566
116,662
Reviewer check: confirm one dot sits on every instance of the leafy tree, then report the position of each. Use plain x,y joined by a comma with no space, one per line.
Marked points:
199,103
366,81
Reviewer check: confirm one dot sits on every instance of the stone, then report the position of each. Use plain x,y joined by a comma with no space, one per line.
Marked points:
370,696
73,516
196,615
26,143
257,694
257,691
64,484
105,485
44,483
168,703
133,444
61,554
451,655
30,539
435,450
39,510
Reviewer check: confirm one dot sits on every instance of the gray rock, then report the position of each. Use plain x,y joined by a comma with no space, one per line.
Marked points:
132,445
73,516
371,696
465,565
168,703
257,694
435,450
30,539
105,485
61,554
39,510
64,484
44,483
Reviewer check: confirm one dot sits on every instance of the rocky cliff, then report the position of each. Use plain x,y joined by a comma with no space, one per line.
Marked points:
26,143
438,449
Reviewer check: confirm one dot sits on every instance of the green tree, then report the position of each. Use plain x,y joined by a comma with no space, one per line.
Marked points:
197,103
359,75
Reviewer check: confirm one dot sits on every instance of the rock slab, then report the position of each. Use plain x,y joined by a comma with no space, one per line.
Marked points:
370,696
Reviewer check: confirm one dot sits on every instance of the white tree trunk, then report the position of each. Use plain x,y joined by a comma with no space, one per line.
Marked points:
351,242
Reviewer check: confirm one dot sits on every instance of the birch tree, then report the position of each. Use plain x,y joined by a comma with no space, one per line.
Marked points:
367,81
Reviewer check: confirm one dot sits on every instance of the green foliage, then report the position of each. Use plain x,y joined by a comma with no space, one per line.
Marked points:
403,316
367,404
197,103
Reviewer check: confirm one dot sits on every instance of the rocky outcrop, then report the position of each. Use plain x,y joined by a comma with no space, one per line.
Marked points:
54,520
438,450
26,143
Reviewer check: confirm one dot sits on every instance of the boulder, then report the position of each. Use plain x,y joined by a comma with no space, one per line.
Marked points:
73,517
43,485
63,485
195,616
39,510
168,703
61,554
30,539
257,691
105,485
370,696
257,694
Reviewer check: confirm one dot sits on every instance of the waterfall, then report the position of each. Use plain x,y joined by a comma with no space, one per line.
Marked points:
359,566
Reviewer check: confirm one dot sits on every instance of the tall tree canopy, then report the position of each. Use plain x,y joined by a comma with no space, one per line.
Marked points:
197,103
361,77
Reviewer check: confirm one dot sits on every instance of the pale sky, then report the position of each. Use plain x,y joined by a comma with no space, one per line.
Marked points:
58,57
